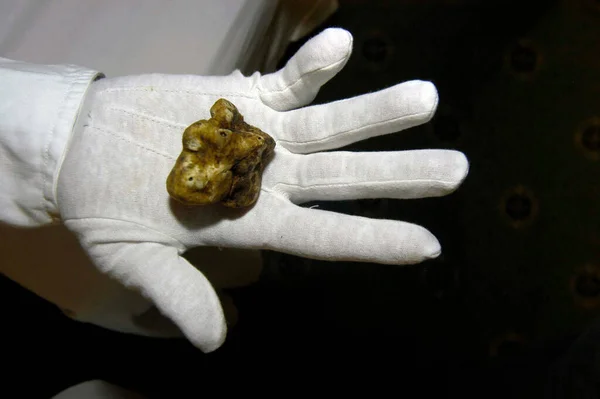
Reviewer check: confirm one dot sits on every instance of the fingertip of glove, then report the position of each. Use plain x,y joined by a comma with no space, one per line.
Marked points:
462,167
338,41
429,98
211,345
434,252
458,170
420,95
336,34
424,246
432,249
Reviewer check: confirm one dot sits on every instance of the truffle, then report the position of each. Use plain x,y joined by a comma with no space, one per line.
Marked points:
222,160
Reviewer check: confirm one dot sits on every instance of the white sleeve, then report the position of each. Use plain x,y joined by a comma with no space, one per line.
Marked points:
39,105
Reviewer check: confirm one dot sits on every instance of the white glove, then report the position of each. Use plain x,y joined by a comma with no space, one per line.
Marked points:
111,188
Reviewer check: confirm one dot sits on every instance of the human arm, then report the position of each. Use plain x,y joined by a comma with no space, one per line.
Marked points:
110,188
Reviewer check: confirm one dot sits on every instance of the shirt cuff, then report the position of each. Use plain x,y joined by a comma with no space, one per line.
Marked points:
39,106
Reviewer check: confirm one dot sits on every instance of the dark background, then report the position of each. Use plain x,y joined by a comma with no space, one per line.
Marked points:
511,308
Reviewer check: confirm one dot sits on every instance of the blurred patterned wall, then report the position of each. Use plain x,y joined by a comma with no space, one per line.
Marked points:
519,86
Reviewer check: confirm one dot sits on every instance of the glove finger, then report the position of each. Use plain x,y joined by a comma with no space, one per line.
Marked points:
326,126
299,81
338,176
320,234
274,223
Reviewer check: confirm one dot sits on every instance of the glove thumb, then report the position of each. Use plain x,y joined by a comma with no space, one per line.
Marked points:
156,270
178,290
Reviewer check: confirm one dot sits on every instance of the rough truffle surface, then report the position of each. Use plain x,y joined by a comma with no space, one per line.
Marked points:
222,160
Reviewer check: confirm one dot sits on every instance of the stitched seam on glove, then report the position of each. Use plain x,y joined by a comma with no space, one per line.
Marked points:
179,244
366,183
301,78
115,135
276,192
154,119
191,92
325,139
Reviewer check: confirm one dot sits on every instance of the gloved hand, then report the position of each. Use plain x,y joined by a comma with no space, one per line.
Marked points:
111,187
